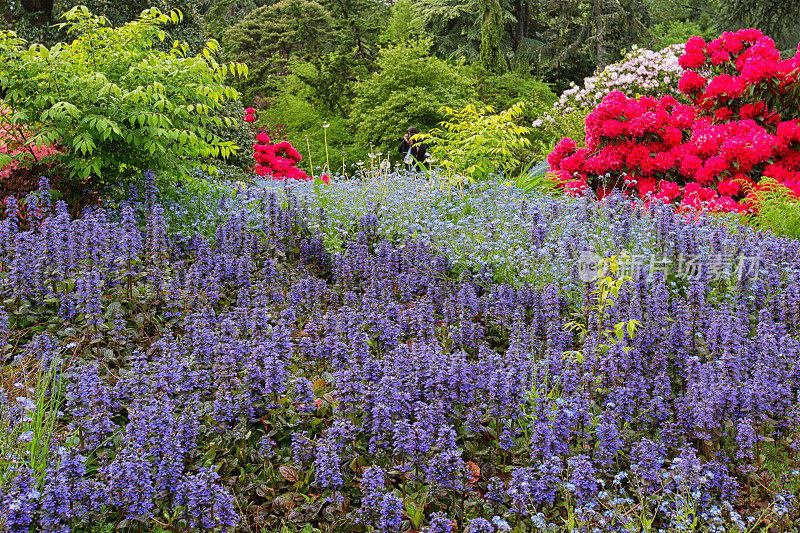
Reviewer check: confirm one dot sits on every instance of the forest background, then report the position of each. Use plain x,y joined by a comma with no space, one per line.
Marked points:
342,79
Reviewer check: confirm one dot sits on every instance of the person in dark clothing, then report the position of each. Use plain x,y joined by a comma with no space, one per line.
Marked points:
414,152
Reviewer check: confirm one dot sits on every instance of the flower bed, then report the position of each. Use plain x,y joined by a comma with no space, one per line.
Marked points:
255,380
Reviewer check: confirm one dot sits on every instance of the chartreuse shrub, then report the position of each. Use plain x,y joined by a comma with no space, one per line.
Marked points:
475,142
113,103
776,209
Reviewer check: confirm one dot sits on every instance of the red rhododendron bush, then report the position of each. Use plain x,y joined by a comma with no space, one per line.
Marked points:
743,124
277,161
24,161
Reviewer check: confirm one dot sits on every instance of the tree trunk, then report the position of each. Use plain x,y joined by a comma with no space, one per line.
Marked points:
599,35
43,9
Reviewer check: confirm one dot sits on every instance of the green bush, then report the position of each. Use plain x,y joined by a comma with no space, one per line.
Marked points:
777,209
409,89
113,103
548,130
476,142
505,90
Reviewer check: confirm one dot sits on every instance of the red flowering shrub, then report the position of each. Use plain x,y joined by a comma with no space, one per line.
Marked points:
743,124
278,161
25,161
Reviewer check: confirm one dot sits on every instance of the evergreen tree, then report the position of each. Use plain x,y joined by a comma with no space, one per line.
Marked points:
491,36
780,19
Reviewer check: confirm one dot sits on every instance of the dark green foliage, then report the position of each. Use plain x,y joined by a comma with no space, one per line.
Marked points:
503,91
330,80
272,36
357,25
453,26
597,28
780,19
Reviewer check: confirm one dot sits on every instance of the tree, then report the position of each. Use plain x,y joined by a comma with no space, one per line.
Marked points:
357,25
270,37
42,9
599,27
491,36
112,103
410,88
776,18
401,26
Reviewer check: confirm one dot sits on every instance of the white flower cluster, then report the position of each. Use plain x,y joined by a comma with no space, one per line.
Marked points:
640,72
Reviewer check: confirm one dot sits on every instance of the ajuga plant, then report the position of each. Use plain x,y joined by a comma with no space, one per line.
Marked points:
251,378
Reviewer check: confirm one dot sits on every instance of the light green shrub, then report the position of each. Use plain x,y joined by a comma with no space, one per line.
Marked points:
476,142
410,88
114,104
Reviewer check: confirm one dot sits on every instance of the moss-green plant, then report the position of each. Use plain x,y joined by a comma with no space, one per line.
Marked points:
475,142
114,103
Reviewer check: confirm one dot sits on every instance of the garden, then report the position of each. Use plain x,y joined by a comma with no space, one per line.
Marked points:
227,303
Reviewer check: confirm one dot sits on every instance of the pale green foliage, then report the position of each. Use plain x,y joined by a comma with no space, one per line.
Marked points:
409,89
777,210
475,142
115,104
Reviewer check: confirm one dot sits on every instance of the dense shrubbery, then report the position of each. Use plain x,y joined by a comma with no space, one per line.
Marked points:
741,126
410,89
112,103
212,381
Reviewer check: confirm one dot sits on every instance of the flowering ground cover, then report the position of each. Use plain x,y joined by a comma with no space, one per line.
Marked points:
257,379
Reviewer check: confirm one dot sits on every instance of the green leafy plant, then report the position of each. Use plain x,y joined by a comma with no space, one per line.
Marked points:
537,177
776,209
113,103
409,89
548,130
476,142
605,295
